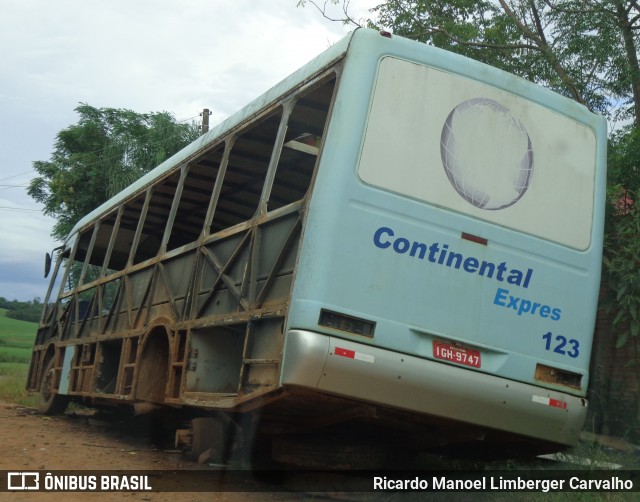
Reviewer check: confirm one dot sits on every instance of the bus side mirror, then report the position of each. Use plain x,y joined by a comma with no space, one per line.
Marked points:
47,265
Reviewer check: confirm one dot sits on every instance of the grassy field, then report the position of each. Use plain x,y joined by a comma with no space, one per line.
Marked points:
16,340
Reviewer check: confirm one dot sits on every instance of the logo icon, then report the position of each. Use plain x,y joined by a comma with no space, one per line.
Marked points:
486,153
18,481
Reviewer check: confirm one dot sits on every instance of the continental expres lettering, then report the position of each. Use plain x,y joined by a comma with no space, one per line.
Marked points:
524,306
439,254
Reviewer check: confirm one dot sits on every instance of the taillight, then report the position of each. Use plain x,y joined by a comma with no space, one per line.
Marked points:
346,323
557,376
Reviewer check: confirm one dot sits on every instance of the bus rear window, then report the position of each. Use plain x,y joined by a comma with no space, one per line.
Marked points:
475,149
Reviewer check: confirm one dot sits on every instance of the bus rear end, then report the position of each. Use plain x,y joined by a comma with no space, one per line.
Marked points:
450,263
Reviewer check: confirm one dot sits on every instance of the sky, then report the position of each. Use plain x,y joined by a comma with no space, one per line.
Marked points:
178,56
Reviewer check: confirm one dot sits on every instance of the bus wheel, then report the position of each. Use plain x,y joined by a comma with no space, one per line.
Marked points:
50,402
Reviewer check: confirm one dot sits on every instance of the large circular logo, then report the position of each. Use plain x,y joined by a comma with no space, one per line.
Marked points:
486,153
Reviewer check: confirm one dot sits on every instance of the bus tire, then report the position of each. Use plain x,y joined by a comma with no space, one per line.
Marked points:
50,402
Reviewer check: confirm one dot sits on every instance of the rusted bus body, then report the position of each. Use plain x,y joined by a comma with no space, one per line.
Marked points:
383,240
177,292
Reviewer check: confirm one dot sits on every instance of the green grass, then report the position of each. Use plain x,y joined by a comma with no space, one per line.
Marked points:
16,331
16,340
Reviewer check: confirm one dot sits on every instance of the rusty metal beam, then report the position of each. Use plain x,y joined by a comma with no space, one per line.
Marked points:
221,271
278,263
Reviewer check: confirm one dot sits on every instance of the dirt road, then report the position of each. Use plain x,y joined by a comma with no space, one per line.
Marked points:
32,442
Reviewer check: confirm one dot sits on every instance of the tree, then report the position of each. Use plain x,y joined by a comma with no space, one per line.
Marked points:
103,153
583,49
26,311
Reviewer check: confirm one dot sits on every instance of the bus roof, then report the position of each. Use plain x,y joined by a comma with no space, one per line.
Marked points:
439,58
300,76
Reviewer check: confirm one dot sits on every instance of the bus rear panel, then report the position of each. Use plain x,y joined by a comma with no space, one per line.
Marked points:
451,259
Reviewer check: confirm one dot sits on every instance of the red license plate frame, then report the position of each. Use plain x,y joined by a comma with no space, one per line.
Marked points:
457,354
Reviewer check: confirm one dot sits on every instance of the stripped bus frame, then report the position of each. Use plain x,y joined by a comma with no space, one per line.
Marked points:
177,292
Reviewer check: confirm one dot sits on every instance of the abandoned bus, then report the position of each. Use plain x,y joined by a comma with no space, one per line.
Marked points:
395,240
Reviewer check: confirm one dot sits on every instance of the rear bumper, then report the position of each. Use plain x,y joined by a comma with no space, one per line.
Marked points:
380,376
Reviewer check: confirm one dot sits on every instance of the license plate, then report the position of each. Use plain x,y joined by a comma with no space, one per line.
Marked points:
456,354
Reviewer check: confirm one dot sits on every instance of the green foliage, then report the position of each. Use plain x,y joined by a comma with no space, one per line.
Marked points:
622,264
103,153
583,49
10,304
25,311
622,241
624,158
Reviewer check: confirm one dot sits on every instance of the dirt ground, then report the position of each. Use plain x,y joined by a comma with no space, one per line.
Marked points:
32,442
88,443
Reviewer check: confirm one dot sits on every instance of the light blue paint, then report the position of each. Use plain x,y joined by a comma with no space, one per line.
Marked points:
413,300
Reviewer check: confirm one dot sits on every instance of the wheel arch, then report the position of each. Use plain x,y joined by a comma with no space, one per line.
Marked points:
154,362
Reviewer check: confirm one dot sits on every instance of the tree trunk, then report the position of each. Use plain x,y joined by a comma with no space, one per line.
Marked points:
622,14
